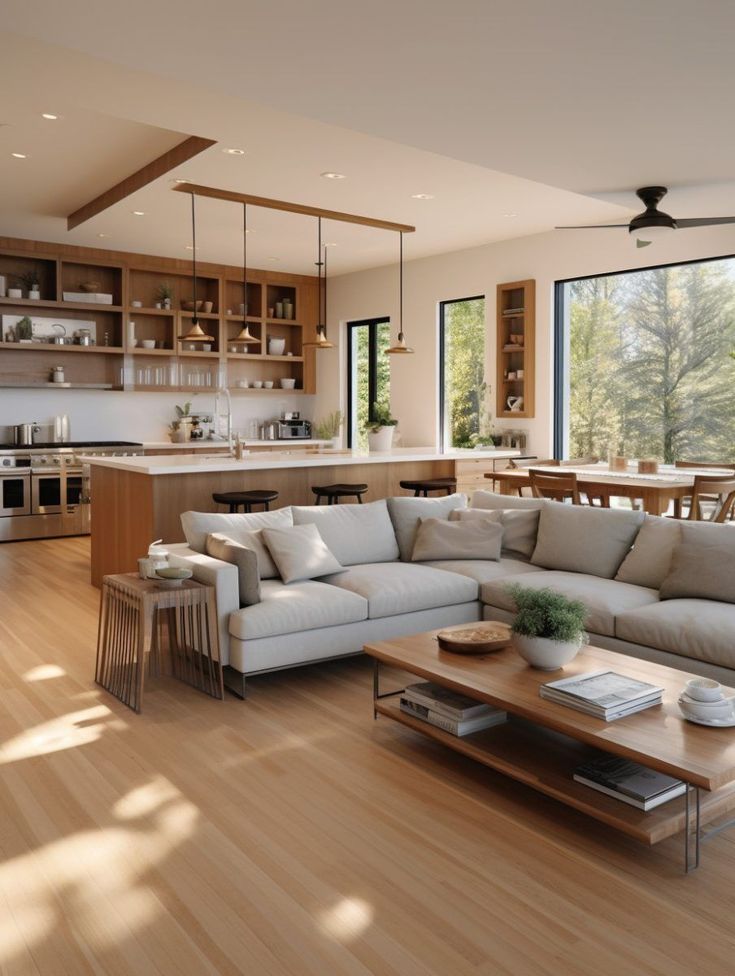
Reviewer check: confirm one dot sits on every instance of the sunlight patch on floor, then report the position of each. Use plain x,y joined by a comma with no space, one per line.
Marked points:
347,920
144,800
44,672
65,732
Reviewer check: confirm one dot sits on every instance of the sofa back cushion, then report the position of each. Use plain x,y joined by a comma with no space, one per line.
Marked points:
520,527
442,539
582,539
244,529
354,533
246,559
703,564
300,553
489,499
649,561
406,513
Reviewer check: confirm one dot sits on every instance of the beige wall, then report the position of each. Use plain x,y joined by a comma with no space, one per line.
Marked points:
545,257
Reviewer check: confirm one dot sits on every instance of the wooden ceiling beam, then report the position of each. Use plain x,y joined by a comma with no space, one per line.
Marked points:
298,208
191,146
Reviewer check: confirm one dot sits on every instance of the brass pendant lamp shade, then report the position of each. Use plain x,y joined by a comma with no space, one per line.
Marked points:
195,333
400,347
244,337
321,342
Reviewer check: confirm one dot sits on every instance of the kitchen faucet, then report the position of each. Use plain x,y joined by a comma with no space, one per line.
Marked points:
223,393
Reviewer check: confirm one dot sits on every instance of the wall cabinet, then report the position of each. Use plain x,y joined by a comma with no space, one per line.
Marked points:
516,349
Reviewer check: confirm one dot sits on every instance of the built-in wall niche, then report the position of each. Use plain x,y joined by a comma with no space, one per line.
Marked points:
145,328
154,372
233,327
152,287
80,279
244,373
281,302
516,327
234,298
105,326
32,368
280,335
23,271
209,324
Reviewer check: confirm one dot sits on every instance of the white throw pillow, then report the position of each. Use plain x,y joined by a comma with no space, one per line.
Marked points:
701,572
520,527
240,528
300,553
441,539
222,547
582,539
649,561
354,533
406,513
490,499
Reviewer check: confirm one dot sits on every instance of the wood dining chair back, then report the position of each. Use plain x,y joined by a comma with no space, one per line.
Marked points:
521,464
712,487
558,485
578,462
702,466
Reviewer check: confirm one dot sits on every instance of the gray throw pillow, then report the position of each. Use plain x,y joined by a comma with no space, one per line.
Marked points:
649,561
241,528
406,513
582,539
701,572
520,527
491,499
354,533
300,553
441,539
228,550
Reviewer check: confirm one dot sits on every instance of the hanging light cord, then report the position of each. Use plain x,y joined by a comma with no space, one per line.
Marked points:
245,261
325,293
319,268
400,287
195,319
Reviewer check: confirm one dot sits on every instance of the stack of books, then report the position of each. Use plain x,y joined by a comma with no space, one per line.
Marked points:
448,709
604,694
629,781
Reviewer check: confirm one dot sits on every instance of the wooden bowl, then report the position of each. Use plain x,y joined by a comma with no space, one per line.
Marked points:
481,638
189,306
90,286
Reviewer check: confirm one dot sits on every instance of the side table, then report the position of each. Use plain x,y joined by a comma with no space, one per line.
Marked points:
169,629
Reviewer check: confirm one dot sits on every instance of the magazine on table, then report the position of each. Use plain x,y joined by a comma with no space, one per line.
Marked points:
453,704
454,726
629,781
604,689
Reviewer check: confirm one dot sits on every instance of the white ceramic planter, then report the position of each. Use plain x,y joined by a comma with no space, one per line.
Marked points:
546,654
381,440
336,442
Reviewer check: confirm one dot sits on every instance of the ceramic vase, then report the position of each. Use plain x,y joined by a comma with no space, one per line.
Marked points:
546,654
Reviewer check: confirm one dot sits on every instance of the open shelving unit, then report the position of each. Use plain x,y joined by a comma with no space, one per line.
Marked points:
516,347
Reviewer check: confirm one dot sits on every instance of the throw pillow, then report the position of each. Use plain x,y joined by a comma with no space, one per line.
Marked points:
354,533
582,539
649,561
520,527
300,553
490,499
240,528
222,547
406,513
441,539
701,572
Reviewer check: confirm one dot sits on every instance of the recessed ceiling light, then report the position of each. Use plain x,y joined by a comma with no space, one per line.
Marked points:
422,196
180,179
273,258
234,152
102,235
333,176
190,247
508,213
138,213
49,115
330,244
19,156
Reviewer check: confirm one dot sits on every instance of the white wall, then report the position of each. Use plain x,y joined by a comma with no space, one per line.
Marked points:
546,257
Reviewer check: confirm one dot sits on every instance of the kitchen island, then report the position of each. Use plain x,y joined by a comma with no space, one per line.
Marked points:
138,499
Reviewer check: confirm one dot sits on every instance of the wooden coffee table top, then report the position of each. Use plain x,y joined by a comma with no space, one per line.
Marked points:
658,737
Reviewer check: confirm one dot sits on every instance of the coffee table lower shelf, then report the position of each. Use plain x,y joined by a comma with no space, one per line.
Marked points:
545,760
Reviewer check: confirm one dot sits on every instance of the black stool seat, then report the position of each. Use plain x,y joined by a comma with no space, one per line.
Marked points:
234,499
333,493
424,485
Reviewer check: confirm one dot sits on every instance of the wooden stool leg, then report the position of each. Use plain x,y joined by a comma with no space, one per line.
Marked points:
359,499
144,644
266,506
417,493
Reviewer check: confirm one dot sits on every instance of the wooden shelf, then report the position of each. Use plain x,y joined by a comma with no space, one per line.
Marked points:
133,310
516,317
39,346
251,389
140,351
200,315
57,386
73,306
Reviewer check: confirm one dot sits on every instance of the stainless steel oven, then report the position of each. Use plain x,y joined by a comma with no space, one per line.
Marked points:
15,491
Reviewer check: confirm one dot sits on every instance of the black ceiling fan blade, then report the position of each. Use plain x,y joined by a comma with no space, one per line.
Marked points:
703,221
590,226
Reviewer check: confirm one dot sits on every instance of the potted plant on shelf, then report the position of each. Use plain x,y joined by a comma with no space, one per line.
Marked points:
548,629
30,280
24,330
165,294
329,429
380,429
181,427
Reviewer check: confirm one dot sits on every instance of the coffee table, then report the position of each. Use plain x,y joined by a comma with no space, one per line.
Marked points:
543,742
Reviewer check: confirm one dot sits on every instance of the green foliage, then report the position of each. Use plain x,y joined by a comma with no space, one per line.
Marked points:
165,291
330,426
24,328
29,278
361,355
544,613
468,419
184,411
381,417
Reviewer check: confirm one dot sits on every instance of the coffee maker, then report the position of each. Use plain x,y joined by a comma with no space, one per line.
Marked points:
292,427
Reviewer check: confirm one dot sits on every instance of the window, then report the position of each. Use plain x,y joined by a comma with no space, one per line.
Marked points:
464,418
646,363
368,375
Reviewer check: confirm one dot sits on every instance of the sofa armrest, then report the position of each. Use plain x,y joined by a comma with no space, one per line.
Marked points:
222,576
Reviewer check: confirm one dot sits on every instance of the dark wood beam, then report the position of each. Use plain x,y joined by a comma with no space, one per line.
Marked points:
299,208
191,146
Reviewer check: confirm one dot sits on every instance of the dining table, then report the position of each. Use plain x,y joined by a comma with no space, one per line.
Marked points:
654,493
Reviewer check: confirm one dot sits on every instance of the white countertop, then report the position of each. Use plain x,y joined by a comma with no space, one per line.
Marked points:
195,464
203,445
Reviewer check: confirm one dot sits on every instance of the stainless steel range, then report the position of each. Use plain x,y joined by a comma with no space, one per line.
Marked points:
44,489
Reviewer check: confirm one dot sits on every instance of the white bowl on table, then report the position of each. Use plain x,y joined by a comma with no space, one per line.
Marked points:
707,711
704,690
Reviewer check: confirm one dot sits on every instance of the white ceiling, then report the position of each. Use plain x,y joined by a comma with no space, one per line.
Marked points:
547,111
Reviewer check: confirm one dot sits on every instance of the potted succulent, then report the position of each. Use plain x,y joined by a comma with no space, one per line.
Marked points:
380,429
165,294
329,428
548,629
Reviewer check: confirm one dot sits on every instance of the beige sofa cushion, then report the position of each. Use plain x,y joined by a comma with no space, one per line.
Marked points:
222,547
701,629
394,588
287,608
244,529
520,526
702,572
405,514
484,570
300,553
354,533
582,539
491,499
649,561
440,539
604,598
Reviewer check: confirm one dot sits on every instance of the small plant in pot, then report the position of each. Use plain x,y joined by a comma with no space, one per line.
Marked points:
165,294
380,428
30,279
329,428
548,629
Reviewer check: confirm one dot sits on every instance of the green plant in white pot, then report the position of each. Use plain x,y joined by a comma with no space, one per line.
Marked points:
380,428
548,629
329,428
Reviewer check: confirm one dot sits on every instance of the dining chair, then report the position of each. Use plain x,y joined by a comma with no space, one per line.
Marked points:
521,464
599,498
709,486
558,485
701,465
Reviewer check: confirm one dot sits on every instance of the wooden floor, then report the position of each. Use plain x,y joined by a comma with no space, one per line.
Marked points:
291,834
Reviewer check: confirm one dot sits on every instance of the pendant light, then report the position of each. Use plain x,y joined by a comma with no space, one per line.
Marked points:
400,348
321,342
195,333
244,336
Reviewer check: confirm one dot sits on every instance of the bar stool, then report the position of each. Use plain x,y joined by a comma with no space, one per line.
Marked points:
333,493
234,499
425,485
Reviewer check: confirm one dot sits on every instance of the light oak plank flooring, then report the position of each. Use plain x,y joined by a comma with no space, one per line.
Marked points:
290,835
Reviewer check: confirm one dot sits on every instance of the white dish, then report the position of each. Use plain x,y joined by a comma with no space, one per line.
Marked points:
713,723
704,690
288,384
257,384
707,711
268,384
148,343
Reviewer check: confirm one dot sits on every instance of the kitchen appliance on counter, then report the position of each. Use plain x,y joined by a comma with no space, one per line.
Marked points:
292,427
23,434
44,488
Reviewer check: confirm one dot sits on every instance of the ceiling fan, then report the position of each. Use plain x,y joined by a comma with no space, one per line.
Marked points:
653,223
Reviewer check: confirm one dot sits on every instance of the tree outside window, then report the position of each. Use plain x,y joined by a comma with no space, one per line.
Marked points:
465,417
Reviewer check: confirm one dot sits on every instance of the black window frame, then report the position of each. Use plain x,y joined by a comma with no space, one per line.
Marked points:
372,324
442,348
560,405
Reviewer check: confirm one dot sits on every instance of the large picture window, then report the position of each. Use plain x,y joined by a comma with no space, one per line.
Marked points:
464,419
368,375
646,363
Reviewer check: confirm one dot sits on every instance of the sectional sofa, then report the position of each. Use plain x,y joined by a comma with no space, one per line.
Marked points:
654,588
